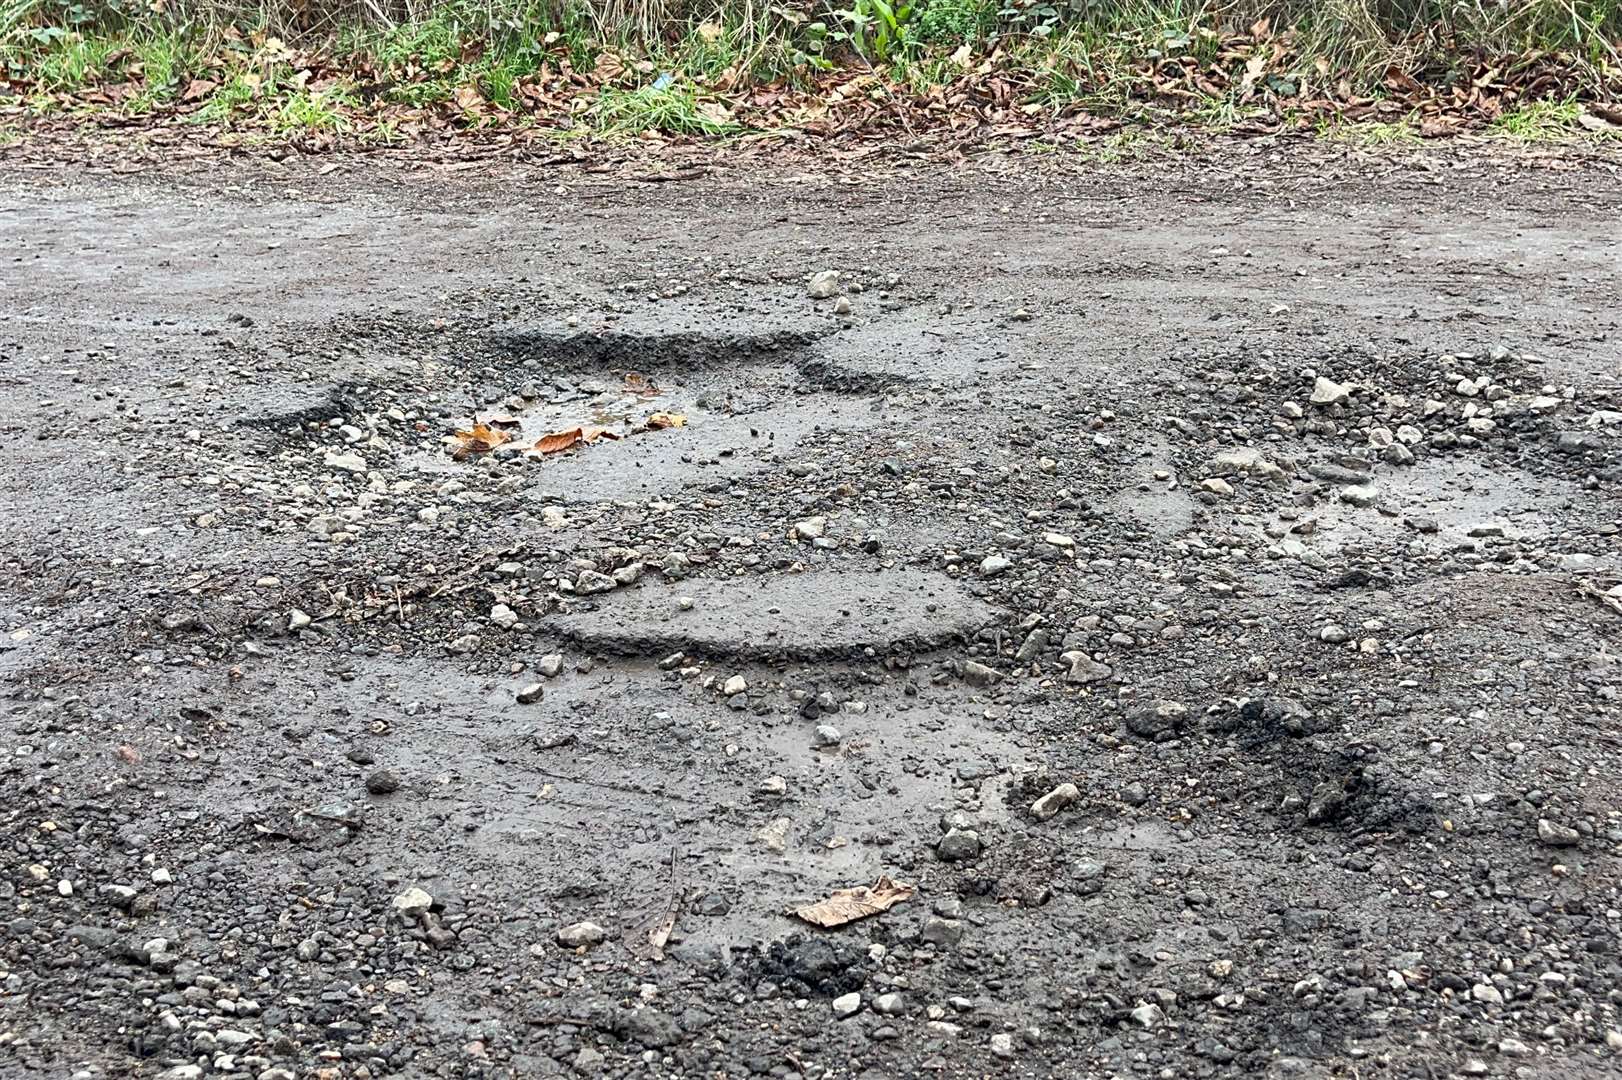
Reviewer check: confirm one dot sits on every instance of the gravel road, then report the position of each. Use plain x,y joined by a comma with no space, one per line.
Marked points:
1197,588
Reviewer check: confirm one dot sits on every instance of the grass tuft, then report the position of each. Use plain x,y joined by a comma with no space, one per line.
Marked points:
667,106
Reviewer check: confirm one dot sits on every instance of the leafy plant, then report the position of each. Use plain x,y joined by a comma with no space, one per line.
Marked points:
950,22
877,29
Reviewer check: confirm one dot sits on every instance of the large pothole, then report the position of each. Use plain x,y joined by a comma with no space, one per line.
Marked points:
825,614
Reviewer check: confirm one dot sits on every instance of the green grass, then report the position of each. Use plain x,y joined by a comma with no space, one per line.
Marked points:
673,108
1373,134
1539,121
926,73
683,60
167,61
238,97
75,61
308,111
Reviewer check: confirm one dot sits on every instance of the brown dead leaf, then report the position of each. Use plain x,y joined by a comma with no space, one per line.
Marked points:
481,440
609,66
640,384
715,112
1596,116
1438,127
1253,71
847,905
661,420
198,89
559,441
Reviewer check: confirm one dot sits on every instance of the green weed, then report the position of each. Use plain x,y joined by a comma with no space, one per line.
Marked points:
670,107
237,97
1374,134
1539,120
74,61
306,110
1127,144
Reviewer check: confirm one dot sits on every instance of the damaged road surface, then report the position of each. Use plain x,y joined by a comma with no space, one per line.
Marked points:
1153,623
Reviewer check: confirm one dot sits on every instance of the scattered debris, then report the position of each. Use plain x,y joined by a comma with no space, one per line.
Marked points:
559,441
480,440
847,905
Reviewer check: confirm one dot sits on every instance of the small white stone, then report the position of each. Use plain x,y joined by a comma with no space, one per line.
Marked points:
582,935
1360,494
1148,1016
347,462
809,529
1328,392
823,284
413,901
847,1005
1054,801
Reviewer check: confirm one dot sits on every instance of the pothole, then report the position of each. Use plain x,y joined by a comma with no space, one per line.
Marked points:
1457,500
652,351
742,403
825,614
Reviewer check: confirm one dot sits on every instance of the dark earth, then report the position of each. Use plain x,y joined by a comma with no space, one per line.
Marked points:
1198,580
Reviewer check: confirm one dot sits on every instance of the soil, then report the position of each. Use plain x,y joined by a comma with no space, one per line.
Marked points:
1271,505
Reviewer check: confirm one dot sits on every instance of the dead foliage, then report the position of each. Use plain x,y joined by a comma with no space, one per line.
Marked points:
1261,79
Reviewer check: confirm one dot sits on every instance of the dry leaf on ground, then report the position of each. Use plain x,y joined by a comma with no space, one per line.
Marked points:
638,383
848,905
481,440
559,441
659,935
1606,111
661,420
